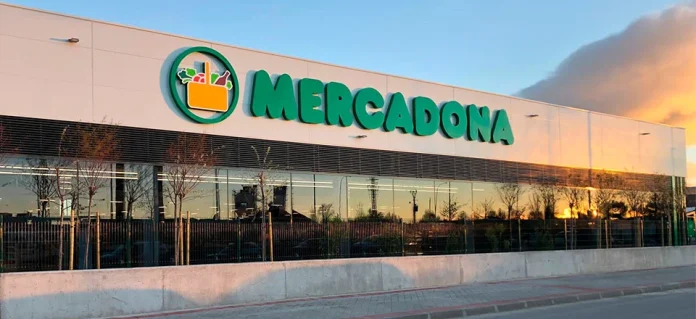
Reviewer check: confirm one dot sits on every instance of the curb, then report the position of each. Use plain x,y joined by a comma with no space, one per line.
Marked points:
500,307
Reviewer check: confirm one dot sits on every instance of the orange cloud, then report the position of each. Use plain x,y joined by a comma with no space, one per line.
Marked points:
647,71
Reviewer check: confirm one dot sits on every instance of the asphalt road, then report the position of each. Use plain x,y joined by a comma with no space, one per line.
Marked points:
675,304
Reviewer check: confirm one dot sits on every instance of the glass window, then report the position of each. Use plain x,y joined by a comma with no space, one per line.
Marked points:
424,191
460,201
204,200
330,195
137,190
486,202
371,198
25,188
303,197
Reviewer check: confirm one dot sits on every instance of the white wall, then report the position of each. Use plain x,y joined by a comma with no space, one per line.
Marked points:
120,73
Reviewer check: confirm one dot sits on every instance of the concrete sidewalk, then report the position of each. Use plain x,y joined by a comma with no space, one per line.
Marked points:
457,301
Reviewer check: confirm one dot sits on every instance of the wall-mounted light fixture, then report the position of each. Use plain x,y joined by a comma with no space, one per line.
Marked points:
645,133
533,115
73,40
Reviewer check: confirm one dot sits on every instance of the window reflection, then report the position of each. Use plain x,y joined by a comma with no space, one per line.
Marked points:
460,201
486,202
371,198
424,192
329,191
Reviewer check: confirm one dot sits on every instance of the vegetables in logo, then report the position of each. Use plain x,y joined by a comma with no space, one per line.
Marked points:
208,90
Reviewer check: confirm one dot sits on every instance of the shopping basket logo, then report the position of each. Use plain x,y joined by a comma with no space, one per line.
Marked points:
213,88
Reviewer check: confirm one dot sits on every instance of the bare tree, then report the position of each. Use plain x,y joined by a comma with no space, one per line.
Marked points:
137,187
97,145
635,199
326,213
66,186
191,158
574,196
451,210
266,179
550,195
660,197
40,181
484,208
536,206
607,192
509,194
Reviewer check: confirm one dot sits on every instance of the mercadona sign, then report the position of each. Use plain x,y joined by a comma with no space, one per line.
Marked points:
315,102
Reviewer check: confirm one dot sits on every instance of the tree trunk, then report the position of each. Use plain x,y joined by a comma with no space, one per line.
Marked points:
181,231
88,233
60,235
176,230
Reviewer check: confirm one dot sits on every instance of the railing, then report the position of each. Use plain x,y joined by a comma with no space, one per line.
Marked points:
34,245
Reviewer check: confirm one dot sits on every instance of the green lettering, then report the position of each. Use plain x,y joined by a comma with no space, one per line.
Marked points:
273,101
398,115
308,91
502,131
453,129
338,101
376,101
479,123
426,116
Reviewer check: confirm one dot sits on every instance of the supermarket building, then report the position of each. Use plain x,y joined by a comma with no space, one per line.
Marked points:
343,139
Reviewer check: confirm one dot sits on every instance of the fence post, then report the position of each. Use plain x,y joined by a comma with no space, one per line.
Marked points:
188,237
71,256
662,231
270,233
606,234
239,240
642,233
403,252
473,236
2,246
128,242
519,233
599,233
98,241
565,232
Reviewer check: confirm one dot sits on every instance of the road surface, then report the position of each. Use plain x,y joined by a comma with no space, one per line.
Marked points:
675,304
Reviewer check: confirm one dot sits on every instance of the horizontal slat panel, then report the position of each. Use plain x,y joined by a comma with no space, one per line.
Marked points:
40,137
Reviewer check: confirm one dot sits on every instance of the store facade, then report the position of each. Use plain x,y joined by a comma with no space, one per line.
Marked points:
343,142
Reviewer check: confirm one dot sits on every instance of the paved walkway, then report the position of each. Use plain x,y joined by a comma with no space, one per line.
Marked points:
448,302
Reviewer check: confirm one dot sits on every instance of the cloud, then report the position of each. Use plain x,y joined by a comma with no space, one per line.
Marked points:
647,71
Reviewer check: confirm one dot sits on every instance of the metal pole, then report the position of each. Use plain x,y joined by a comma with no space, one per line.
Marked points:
98,241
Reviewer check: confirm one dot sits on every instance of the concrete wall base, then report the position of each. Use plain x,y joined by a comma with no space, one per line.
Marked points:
117,292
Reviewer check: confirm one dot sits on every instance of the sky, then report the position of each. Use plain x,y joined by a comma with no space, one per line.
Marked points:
505,46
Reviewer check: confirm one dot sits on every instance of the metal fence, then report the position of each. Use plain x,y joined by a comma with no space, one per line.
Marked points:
35,245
